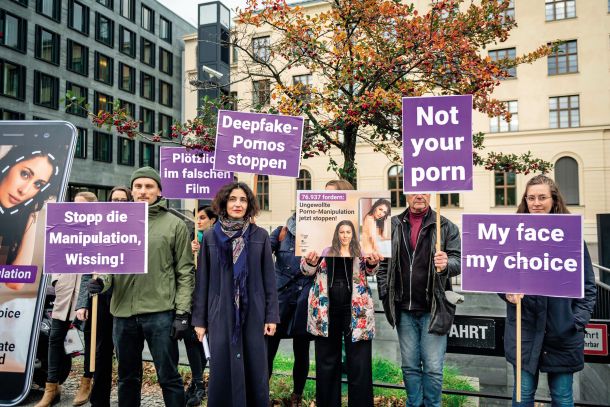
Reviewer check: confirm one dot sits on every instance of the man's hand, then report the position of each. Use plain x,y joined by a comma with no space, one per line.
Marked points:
180,326
270,329
440,261
82,314
514,298
200,331
95,286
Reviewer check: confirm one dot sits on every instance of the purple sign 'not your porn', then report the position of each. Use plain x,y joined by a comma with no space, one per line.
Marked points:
189,174
103,238
523,254
258,143
437,143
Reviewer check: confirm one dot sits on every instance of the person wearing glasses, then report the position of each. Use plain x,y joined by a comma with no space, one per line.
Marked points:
552,329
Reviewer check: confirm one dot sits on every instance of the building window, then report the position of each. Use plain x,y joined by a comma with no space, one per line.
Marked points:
147,155
148,19
505,54
49,8
225,46
102,147
262,92
104,102
147,52
261,48
505,188
78,109
165,29
165,93
147,120
509,13
564,111
564,60
147,86
10,115
47,46
304,181
81,143
14,31
165,125
262,192
128,9
104,69
24,3
233,101
78,17
560,9
78,58
126,151
127,42
498,124
104,30
395,187
127,78
450,200
12,80
107,3
46,90
302,85
166,63
566,176
235,54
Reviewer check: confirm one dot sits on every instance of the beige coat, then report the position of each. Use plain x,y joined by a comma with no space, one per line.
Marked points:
66,294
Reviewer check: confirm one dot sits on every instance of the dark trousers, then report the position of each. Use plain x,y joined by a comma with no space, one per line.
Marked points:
195,355
129,335
300,349
56,357
328,356
104,349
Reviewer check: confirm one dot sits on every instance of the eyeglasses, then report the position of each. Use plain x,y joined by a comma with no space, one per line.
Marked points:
119,200
533,198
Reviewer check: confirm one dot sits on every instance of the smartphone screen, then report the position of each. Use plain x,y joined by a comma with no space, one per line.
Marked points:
35,161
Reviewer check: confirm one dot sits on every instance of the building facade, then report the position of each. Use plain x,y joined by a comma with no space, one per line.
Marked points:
105,51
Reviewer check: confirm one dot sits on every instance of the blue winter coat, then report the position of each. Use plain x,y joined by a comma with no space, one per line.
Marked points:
292,286
552,329
240,376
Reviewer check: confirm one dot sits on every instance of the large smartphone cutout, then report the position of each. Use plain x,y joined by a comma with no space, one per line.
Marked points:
35,161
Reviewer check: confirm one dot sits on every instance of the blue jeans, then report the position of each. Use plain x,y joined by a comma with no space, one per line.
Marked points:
560,386
129,335
423,355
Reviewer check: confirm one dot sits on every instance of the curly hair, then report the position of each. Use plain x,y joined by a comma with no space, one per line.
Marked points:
219,204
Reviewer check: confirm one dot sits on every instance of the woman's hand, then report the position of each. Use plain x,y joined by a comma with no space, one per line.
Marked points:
200,331
195,246
373,259
312,258
82,314
270,329
514,298
14,286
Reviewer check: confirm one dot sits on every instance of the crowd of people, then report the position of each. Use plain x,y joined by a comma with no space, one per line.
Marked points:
248,290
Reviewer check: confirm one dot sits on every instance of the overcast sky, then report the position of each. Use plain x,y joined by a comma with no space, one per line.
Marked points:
187,9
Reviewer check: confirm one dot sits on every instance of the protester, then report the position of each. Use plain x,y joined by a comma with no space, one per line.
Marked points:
152,307
292,289
412,288
104,349
552,329
235,300
374,232
67,288
341,309
194,351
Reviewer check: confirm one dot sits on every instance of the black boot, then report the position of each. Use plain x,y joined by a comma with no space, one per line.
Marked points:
196,395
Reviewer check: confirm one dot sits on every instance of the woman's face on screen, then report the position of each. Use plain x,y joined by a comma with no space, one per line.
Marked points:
380,212
345,234
24,180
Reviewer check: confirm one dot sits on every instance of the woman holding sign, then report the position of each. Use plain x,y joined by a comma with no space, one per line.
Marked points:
235,300
552,328
341,311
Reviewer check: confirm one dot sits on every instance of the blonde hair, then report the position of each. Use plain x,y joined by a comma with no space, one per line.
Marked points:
87,196
340,184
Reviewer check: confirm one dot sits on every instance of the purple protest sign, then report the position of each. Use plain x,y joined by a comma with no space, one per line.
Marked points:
437,143
258,143
523,254
188,174
103,238
18,274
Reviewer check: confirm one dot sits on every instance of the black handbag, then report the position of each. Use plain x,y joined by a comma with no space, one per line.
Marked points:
442,311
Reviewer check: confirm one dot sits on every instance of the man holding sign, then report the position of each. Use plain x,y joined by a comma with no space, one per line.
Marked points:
153,306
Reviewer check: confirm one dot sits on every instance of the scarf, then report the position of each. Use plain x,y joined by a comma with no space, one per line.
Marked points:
232,238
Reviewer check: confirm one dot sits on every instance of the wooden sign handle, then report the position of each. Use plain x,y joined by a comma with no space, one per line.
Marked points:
438,226
93,342
518,335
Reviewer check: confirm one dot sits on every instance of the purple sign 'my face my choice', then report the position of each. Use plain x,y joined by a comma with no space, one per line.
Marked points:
103,238
258,143
437,143
523,254
188,174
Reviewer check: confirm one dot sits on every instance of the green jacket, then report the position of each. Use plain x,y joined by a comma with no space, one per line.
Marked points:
170,280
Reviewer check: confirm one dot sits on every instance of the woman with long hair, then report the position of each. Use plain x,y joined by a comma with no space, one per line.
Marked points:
340,312
235,300
552,329
374,226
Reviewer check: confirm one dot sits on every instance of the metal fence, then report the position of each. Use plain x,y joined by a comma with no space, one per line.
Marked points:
602,304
